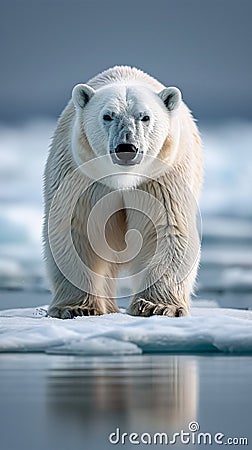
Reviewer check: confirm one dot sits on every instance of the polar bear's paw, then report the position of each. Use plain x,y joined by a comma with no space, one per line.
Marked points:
70,312
146,308
86,306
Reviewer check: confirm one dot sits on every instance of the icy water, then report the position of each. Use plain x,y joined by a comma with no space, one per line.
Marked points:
75,403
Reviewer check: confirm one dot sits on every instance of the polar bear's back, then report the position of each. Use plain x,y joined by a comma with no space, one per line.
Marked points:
124,74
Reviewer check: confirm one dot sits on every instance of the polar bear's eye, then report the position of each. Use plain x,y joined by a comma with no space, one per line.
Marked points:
145,118
107,117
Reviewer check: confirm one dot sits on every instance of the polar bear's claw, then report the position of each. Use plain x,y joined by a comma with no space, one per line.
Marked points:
147,308
72,312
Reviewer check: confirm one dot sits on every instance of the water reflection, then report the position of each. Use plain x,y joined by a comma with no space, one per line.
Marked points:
51,402
138,393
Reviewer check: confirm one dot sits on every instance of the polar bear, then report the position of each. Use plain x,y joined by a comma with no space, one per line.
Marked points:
121,186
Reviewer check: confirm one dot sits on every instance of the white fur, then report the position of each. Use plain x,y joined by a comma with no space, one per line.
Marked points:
170,172
127,103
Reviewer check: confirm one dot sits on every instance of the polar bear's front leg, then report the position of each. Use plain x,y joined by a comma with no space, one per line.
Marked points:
167,285
69,301
164,270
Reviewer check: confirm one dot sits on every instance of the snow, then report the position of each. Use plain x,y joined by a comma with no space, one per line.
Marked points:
206,330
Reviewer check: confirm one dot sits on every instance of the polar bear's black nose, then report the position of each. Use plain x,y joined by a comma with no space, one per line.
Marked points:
126,152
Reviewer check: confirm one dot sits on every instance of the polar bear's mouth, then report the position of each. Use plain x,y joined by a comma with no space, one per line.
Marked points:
126,154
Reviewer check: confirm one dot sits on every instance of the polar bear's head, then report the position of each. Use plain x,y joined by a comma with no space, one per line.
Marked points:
126,122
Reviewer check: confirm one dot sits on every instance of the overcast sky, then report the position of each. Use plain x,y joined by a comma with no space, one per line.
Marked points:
202,46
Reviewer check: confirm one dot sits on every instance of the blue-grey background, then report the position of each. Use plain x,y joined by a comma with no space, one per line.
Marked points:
204,47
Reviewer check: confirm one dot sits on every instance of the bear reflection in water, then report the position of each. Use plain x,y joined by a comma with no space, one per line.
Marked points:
157,393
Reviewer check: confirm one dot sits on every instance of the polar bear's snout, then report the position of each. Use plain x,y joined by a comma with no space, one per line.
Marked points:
126,154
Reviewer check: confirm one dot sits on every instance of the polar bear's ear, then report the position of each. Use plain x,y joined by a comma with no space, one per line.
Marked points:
171,97
81,95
